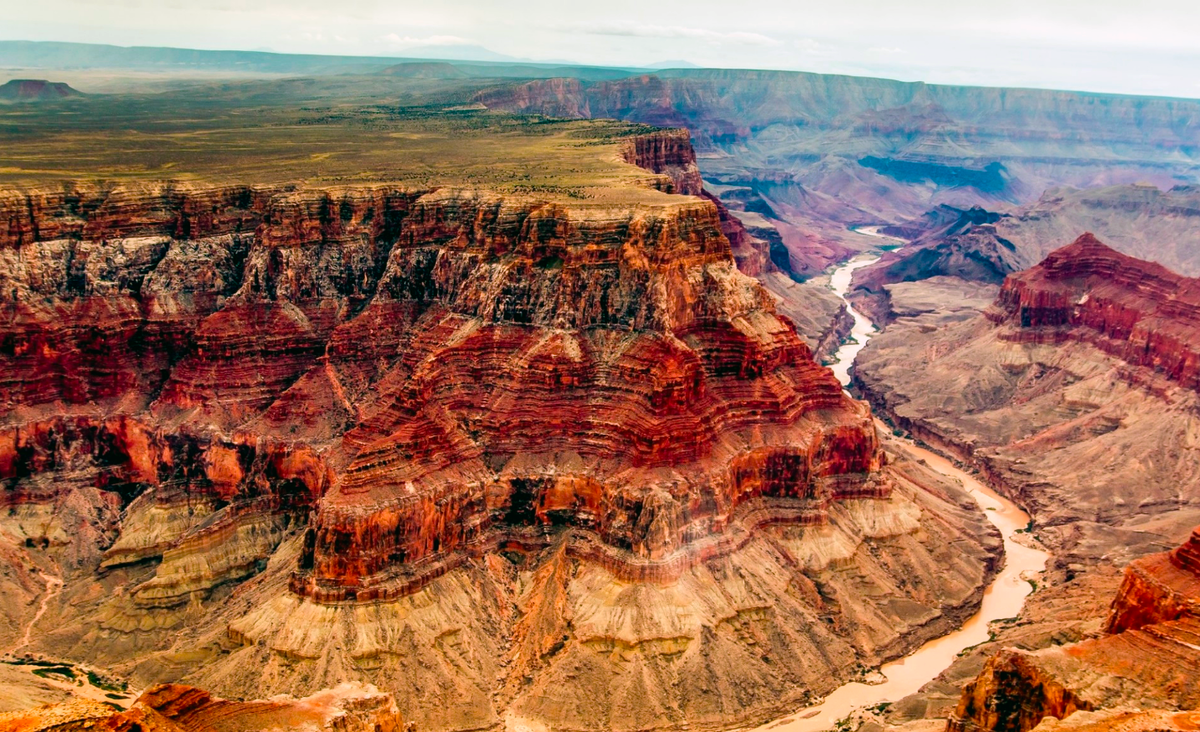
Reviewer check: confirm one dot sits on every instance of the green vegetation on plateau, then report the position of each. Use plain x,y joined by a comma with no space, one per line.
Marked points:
267,133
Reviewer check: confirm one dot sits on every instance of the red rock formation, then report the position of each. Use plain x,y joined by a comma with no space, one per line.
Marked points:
436,372
668,152
1137,311
1150,658
1159,588
176,708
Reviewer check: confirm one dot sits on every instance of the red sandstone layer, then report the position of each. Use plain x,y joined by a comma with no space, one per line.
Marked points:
435,372
1137,311
1149,658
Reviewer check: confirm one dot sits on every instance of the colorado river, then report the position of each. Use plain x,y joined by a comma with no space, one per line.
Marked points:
1002,599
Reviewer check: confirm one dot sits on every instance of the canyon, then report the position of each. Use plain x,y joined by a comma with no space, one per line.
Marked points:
1072,392
1146,659
985,246
1084,356
424,394
801,157
545,456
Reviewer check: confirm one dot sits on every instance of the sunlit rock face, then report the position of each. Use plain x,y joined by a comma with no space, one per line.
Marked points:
176,708
1076,390
499,454
1148,659
429,369
1137,311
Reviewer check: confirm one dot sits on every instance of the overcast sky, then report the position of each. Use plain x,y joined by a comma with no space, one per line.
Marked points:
1130,46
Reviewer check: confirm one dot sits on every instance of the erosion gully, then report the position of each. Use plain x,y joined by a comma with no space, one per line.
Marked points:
1002,599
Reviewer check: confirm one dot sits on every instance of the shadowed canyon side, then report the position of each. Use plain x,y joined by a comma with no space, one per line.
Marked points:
974,244
505,456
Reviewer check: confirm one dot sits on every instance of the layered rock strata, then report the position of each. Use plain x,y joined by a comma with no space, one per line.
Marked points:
1076,391
174,708
1071,392
480,429
1136,311
1149,659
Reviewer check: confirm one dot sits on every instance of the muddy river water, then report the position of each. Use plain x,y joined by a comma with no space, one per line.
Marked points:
1002,599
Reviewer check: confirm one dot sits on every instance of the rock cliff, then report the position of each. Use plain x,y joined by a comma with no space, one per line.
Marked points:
1136,311
1087,355
1073,392
1149,658
1140,221
174,708
543,455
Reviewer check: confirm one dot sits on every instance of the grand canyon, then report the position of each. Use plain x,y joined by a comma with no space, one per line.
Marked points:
356,393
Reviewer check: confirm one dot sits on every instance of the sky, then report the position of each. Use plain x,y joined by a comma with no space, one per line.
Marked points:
1126,46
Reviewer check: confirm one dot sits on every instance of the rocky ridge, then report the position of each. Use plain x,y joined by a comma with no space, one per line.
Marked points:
1141,221
1139,312
1089,351
1072,392
472,446
174,708
1148,658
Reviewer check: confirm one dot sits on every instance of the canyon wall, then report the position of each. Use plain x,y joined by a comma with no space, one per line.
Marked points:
1141,221
448,440
1147,659
803,156
1138,312
1089,352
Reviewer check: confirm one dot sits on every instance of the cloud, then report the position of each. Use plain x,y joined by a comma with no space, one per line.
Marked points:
409,42
810,46
638,30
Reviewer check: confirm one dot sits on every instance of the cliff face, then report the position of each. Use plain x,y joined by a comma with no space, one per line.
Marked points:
1148,658
392,331
270,438
1087,356
1141,221
1134,310
175,708
1159,588
669,152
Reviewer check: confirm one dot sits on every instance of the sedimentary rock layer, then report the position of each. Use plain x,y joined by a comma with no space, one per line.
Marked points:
1149,660
1076,391
174,708
550,456
1137,311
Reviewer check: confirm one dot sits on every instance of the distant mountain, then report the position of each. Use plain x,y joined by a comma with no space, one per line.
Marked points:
474,61
36,90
